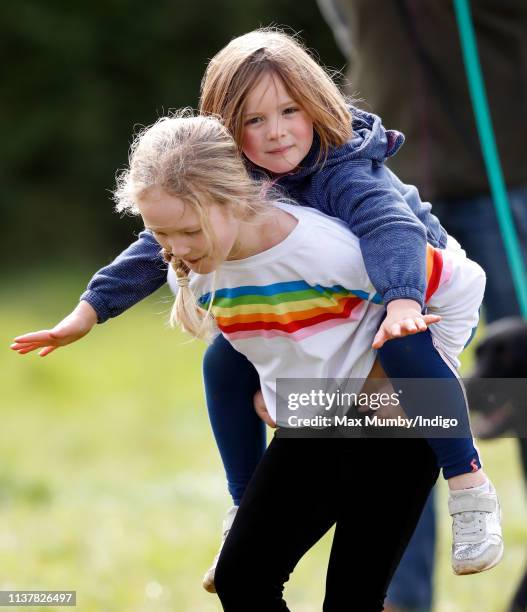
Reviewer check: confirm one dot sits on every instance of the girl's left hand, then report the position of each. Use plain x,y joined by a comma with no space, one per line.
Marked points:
403,318
261,409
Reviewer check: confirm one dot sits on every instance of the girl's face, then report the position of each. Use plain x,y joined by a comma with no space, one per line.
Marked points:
277,132
179,230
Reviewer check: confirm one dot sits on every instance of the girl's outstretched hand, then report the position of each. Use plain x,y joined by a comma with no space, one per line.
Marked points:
76,325
403,318
261,409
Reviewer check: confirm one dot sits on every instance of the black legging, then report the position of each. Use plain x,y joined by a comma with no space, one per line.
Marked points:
373,489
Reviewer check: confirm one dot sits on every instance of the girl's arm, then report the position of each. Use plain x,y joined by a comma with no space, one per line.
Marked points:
392,238
75,326
136,273
392,242
348,269
133,275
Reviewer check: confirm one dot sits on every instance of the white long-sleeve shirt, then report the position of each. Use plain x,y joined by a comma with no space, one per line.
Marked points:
306,308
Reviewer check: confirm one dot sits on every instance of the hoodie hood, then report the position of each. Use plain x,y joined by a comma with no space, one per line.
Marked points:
370,141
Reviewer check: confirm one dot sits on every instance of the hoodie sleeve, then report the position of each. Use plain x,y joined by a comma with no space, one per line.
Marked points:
133,275
392,239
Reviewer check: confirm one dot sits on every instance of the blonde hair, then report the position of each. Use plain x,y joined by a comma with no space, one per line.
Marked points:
233,72
195,159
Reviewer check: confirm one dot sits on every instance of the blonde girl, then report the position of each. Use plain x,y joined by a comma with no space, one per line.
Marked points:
250,268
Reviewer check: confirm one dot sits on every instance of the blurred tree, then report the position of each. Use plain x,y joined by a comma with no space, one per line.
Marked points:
78,78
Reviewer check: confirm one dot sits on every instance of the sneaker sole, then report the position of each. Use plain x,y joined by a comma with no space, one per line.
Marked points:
208,580
208,585
466,571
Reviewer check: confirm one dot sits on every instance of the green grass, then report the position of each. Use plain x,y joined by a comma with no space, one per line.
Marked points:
110,483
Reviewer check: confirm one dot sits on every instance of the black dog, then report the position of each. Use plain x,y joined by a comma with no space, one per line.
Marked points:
502,402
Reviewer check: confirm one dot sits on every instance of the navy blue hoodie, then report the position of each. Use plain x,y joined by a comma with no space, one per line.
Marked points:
351,183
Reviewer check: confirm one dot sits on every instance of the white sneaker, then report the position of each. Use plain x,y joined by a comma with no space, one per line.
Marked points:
208,579
477,542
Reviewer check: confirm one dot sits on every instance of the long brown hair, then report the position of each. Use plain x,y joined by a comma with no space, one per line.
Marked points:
233,72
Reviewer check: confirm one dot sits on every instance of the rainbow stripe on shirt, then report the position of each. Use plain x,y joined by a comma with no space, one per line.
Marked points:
293,309
438,270
296,309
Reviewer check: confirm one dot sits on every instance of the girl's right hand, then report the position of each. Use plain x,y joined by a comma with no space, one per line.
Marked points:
261,409
75,326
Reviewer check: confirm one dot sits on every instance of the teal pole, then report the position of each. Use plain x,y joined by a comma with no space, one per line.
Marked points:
490,151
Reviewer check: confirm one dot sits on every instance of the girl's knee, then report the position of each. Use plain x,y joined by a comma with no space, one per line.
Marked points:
239,577
224,578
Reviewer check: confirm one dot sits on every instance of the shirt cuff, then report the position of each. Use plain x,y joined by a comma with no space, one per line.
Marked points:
403,293
103,314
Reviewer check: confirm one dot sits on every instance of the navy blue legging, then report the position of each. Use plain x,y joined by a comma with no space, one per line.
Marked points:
231,382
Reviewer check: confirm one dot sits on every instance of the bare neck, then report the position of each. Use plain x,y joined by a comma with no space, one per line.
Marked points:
263,232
